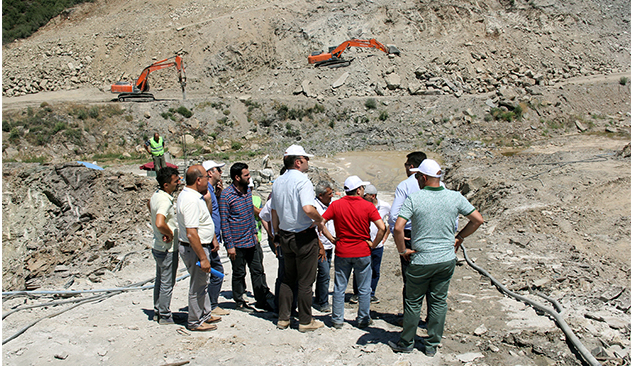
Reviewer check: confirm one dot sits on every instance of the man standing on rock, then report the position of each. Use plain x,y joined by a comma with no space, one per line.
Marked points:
404,189
432,212
294,217
240,239
352,216
324,195
196,233
214,172
164,224
156,147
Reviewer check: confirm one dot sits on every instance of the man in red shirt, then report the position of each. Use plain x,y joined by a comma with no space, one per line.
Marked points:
352,216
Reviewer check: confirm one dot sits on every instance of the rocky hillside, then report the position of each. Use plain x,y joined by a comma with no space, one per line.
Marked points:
502,72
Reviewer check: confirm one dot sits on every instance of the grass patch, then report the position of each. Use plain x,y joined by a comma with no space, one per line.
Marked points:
371,103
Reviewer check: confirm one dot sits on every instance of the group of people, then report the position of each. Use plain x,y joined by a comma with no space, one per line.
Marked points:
305,227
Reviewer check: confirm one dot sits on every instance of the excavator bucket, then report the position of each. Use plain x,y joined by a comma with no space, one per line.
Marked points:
393,50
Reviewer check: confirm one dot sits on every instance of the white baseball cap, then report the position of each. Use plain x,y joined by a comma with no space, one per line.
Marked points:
429,167
296,150
210,164
353,182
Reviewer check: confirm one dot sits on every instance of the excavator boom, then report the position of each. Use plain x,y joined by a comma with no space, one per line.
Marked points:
334,55
138,90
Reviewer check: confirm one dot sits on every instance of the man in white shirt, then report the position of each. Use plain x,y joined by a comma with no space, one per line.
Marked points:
195,233
324,193
164,225
294,219
405,189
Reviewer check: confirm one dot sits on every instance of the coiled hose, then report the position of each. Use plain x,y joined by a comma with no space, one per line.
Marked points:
571,337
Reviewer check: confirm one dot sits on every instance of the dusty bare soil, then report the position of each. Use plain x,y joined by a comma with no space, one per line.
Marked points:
557,221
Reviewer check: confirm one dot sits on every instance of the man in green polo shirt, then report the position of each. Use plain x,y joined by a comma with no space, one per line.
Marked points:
432,212
156,147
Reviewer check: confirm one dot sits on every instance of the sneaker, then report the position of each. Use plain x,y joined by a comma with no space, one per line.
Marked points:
365,324
396,347
325,308
166,321
375,300
338,325
219,311
245,308
213,319
314,325
204,327
353,299
283,324
429,351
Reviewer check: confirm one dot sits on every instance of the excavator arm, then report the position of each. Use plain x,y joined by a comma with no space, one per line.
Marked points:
334,55
139,89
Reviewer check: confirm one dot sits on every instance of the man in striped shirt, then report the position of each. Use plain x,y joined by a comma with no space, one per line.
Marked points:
240,239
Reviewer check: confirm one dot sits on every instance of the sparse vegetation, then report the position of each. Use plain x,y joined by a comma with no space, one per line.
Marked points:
371,103
383,115
183,111
624,80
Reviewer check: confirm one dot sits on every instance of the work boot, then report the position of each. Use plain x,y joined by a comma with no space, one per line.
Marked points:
314,325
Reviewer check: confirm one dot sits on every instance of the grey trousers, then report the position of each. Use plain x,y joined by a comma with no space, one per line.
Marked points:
166,267
199,303
159,162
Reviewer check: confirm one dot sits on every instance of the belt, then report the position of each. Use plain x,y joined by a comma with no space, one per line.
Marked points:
185,244
298,232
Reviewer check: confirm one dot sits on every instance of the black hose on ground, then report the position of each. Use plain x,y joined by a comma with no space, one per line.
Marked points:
571,337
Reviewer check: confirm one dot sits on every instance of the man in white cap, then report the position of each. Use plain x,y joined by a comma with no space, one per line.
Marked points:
214,172
383,208
352,216
294,219
432,212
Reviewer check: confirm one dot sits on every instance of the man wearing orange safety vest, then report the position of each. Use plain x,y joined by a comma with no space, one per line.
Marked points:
156,147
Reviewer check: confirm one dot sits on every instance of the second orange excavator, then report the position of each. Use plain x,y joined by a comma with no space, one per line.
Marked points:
138,90
333,58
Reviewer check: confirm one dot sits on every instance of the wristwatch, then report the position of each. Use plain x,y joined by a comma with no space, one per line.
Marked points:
403,252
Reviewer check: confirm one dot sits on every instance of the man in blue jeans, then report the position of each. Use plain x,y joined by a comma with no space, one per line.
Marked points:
432,212
352,216
214,172
383,208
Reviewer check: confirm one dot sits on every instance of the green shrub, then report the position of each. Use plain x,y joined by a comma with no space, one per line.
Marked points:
624,80
236,145
383,116
6,125
183,111
14,134
371,103
93,112
226,112
59,126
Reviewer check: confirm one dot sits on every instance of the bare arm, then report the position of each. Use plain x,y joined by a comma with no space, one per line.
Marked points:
275,220
196,245
256,210
379,235
209,202
161,225
475,220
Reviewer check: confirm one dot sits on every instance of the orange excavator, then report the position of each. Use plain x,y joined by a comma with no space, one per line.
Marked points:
138,91
333,58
